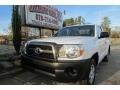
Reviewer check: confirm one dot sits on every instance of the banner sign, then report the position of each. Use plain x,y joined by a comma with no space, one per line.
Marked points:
43,16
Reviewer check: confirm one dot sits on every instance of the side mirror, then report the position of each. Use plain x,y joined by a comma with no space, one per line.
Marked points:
104,35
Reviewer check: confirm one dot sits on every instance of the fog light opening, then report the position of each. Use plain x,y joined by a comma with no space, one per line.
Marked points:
71,72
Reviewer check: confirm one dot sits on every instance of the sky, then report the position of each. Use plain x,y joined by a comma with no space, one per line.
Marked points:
92,14
5,18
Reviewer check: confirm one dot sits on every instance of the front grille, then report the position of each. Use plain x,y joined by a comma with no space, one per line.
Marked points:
46,51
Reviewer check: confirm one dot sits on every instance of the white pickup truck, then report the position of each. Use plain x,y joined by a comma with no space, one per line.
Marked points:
72,54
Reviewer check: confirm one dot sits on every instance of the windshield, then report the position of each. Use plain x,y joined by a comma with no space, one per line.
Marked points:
87,30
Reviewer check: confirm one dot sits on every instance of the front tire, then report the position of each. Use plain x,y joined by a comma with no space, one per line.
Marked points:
91,73
90,79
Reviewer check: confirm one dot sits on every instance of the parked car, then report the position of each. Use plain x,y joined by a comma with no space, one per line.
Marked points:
71,55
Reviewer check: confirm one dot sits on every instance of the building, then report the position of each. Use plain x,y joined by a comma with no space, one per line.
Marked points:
29,33
3,40
39,21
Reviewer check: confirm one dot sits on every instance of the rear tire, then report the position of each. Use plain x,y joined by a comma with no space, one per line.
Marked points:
106,58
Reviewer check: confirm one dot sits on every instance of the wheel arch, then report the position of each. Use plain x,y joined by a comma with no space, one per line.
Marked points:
96,58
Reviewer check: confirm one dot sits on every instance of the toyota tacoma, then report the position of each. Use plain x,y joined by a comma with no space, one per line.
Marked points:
71,55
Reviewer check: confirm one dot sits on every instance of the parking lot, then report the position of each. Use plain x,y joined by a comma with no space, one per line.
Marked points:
104,71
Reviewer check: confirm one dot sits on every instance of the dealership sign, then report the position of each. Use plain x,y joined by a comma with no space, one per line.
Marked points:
43,16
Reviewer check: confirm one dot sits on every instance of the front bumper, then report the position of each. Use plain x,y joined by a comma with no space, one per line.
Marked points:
65,71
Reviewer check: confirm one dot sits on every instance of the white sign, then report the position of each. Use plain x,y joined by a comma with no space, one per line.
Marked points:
43,16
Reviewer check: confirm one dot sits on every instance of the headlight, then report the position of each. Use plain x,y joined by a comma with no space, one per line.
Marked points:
70,51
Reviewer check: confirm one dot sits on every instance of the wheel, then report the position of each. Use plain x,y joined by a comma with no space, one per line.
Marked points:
91,73
90,79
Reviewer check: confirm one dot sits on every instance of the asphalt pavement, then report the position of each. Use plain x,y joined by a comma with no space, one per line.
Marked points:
107,69
104,71
6,49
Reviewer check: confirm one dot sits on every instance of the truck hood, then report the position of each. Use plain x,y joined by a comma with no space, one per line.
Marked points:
67,40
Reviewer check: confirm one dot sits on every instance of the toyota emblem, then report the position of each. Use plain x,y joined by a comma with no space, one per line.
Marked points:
38,50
